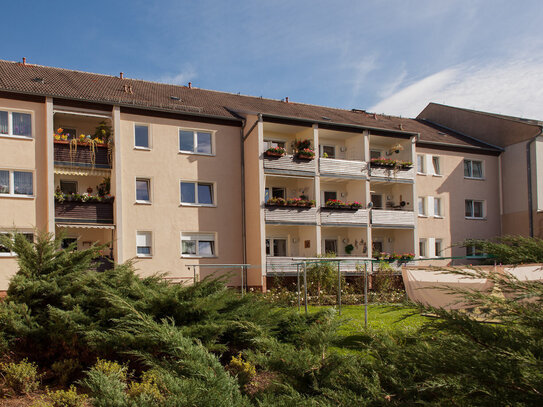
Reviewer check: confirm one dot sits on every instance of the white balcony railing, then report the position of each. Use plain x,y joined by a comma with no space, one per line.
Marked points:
381,217
341,217
290,215
288,265
391,173
343,168
287,164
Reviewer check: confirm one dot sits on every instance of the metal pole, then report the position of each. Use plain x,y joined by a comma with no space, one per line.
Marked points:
194,271
242,290
298,285
339,286
366,295
305,286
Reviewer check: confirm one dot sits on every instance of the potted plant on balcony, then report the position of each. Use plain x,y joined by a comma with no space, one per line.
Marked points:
275,152
349,248
356,205
303,149
405,165
383,162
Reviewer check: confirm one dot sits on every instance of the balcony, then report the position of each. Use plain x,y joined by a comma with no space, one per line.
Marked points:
286,266
81,155
344,217
343,168
392,174
277,215
84,212
289,165
393,219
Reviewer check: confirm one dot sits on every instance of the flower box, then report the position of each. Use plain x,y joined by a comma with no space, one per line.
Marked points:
275,152
290,203
336,204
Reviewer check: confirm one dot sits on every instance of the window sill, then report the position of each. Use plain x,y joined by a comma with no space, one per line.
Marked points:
17,196
437,175
438,216
193,153
474,218
421,173
143,203
190,256
142,148
16,137
198,205
144,256
422,216
474,178
7,255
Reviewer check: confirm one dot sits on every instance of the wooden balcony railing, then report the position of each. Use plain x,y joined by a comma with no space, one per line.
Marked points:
84,212
82,156
289,164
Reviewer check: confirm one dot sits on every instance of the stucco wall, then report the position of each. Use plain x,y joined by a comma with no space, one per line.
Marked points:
165,217
454,189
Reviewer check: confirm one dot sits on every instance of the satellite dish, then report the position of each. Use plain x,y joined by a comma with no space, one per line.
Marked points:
370,204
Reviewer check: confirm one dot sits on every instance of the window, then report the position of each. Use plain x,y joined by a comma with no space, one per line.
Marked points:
420,164
70,132
474,250
16,124
330,246
438,248
143,194
197,193
436,165
329,195
141,136
328,151
377,200
437,207
473,169
68,187
273,143
276,247
422,206
375,154
377,246
16,183
474,209
422,247
198,245
144,246
192,141
5,252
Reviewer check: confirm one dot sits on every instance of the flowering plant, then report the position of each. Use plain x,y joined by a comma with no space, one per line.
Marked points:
389,162
306,153
276,151
336,203
61,197
302,144
299,202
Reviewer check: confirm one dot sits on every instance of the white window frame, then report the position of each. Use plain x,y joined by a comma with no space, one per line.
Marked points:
10,124
271,239
483,209
440,243
424,241
335,239
377,151
421,171
440,166
383,201
136,147
424,206
195,141
213,193
268,141
7,232
141,255
204,236
11,185
438,200
321,150
149,191
482,177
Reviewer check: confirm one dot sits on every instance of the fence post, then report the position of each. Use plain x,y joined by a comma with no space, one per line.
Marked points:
366,295
242,285
305,286
339,285
298,285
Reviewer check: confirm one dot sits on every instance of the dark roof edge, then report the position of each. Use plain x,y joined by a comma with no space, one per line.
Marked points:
492,146
342,126
460,148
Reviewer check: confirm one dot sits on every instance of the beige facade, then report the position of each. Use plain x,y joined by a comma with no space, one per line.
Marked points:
192,189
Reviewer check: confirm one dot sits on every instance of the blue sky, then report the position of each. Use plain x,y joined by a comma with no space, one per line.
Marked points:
386,56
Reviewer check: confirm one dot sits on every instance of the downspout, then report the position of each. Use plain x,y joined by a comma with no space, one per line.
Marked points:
243,212
530,192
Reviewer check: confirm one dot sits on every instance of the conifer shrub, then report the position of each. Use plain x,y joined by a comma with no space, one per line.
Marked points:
150,390
65,370
67,398
20,377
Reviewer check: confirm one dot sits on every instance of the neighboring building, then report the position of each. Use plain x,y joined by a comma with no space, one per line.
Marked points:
520,177
192,183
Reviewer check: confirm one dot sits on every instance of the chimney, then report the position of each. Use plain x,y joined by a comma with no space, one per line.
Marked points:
400,126
130,89
24,61
190,85
121,75
375,116
286,99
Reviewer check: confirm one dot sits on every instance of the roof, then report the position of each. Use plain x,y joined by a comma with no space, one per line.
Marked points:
90,87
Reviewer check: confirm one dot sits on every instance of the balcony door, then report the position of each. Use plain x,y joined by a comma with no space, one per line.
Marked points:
330,246
276,247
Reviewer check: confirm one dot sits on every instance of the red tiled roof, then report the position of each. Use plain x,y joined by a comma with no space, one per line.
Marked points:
91,87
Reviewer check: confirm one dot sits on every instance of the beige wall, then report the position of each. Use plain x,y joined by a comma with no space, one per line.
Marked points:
453,189
165,218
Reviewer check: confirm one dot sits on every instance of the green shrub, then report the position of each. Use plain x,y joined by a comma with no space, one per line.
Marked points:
243,370
110,368
21,377
151,389
67,398
106,390
65,370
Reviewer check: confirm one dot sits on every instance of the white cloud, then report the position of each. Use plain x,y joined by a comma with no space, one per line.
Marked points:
513,87
361,69
182,78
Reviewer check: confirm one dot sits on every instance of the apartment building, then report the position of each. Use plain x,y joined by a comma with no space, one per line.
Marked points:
176,176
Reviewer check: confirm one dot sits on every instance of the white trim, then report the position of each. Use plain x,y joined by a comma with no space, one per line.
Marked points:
117,182
149,139
483,208
83,112
10,124
195,141
196,203
196,237
423,172
149,192
482,177
151,245
11,184
287,245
